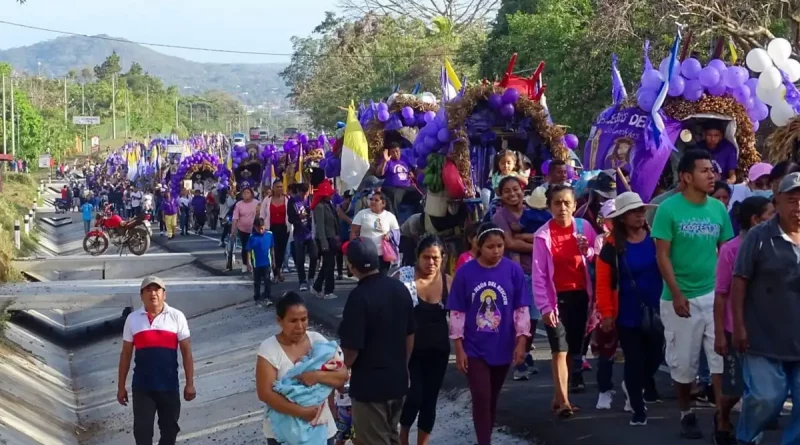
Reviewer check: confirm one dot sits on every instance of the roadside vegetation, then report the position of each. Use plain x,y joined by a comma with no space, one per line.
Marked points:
16,199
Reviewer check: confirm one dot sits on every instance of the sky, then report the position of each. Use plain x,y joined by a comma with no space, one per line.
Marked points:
244,25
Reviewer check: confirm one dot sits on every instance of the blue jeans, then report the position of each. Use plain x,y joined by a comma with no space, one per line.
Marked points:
767,383
535,317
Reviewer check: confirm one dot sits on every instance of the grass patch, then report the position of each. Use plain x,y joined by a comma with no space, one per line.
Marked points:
19,193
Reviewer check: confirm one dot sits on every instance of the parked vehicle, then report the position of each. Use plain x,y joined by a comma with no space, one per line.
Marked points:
62,205
255,132
290,133
133,234
263,135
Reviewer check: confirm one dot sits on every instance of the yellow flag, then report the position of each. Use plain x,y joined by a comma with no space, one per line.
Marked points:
451,75
732,50
355,151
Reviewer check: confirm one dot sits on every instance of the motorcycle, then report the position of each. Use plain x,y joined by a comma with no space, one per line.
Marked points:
62,205
133,234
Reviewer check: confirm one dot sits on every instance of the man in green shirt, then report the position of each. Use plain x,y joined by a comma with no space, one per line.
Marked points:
689,227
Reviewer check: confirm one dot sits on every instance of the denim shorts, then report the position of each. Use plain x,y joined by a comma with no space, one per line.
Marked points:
535,314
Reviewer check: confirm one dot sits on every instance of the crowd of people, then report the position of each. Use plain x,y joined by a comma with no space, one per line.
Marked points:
706,273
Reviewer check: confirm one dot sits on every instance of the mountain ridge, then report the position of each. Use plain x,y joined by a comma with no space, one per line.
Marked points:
261,81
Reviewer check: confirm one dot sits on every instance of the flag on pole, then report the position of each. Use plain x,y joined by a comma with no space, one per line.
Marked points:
451,84
355,152
618,92
656,122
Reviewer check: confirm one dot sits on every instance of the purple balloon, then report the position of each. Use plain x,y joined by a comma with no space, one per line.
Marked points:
740,93
693,90
443,135
735,77
709,77
430,142
752,83
646,99
760,111
718,65
383,115
408,112
756,125
663,67
749,103
507,110
495,101
571,141
718,89
546,167
429,116
676,86
409,121
382,106
690,68
510,96
652,80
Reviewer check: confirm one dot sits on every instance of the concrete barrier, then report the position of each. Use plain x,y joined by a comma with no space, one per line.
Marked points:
194,297
17,236
112,266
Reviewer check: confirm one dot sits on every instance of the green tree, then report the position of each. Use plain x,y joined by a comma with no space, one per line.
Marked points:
111,66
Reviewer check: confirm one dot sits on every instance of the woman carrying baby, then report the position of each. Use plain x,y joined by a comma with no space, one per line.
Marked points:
280,353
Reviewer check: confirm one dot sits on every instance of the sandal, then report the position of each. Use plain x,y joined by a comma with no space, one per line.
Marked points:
566,412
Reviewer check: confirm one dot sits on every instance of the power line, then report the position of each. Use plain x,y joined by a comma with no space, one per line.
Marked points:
217,50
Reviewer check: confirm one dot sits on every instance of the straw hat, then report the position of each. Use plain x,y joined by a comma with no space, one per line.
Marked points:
538,199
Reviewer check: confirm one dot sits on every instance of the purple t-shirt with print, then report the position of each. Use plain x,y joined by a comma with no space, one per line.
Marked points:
723,157
396,174
489,296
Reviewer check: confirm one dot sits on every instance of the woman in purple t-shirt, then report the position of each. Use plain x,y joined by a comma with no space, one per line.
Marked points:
489,323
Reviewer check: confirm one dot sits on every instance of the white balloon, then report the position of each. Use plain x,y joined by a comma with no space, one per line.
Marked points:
771,96
779,49
770,78
781,113
792,70
758,60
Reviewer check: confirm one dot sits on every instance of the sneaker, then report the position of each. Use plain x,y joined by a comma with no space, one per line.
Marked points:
604,400
576,384
639,419
330,296
627,408
521,374
723,437
689,429
303,287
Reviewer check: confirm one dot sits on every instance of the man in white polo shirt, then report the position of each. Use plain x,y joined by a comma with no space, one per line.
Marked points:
155,331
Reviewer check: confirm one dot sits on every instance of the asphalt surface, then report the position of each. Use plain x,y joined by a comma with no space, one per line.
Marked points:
524,407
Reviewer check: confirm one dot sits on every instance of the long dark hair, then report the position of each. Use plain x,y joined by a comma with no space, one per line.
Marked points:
620,233
744,211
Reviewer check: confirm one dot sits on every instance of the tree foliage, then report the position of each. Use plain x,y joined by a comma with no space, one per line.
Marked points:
461,13
364,59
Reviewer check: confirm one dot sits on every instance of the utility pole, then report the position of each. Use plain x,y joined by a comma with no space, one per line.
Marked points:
65,99
147,108
13,143
86,148
127,111
114,106
176,114
191,117
5,136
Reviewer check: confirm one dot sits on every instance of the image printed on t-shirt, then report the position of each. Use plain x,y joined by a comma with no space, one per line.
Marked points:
401,171
489,316
699,228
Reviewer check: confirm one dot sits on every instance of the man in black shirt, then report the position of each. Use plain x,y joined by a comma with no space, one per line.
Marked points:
377,335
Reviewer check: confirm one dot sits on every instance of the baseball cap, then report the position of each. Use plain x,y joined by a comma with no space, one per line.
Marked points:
789,183
369,183
152,279
362,254
758,170
604,184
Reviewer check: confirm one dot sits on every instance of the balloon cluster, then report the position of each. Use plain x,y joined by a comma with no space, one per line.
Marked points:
193,163
504,103
407,117
432,138
772,64
331,165
691,80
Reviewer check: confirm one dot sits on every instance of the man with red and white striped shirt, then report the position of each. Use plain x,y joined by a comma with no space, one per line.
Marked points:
155,332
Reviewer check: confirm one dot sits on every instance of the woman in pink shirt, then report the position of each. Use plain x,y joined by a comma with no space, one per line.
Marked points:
749,213
244,213
470,234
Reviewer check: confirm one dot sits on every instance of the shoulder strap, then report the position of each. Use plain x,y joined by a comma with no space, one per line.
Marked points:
579,226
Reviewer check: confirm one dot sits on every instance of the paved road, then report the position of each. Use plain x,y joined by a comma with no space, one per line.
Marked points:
524,406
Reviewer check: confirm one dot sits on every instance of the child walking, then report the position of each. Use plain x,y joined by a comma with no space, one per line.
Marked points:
343,413
262,246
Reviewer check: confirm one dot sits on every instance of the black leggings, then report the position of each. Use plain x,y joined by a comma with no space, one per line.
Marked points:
643,355
301,248
427,369
281,234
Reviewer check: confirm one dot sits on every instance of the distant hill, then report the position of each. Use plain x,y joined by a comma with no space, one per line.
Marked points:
58,56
